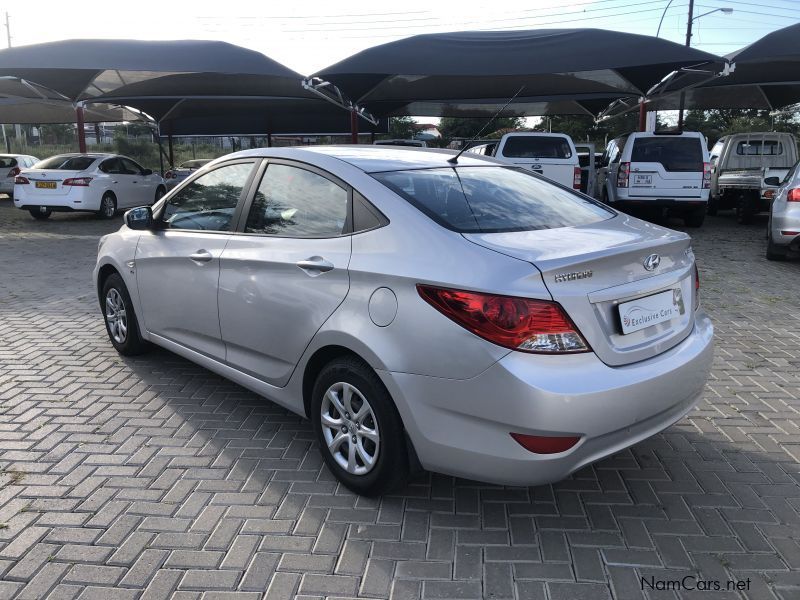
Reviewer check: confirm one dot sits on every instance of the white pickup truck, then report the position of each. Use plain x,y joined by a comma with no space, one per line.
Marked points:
551,155
742,164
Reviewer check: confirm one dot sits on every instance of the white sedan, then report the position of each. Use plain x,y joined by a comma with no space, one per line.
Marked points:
99,183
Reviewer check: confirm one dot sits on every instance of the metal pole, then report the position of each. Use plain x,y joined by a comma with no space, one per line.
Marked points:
269,140
688,43
171,154
81,129
353,126
5,139
8,30
642,116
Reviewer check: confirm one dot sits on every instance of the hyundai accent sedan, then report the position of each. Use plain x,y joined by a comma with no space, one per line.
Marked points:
421,309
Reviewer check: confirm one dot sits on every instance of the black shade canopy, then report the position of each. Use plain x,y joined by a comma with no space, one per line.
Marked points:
562,70
766,76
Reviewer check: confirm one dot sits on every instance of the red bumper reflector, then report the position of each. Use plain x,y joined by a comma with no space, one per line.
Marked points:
790,232
541,444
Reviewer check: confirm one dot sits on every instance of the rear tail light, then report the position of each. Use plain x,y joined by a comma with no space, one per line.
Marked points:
169,175
793,195
706,176
20,180
524,324
13,172
78,181
696,287
576,179
542,444
623,175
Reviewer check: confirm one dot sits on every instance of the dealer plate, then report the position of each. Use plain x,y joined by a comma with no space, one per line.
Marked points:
650,310
48,185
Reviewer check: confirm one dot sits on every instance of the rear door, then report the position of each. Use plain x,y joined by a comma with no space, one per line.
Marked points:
287,272
552,156
667,166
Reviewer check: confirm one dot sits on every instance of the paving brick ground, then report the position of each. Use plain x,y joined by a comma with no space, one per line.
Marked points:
153,478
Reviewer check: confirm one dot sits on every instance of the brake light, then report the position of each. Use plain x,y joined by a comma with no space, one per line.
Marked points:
576,179
542,444
169,175
793,195
13,172
623,175
768,194
524,324
706,176
696,287
78,181
20,180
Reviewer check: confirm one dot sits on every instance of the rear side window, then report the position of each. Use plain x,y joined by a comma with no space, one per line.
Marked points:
536,146
7,162
66,163
491,199
682,154
759,148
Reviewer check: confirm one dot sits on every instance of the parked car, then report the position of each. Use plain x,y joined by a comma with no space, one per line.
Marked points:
410,143
175,176
13,162
741,163
99,183
783,230
658,170
551,155
486,149
473,318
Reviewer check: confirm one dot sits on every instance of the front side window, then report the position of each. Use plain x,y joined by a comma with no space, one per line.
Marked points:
111,166
492,199
294,202
129,167
537,146
209,202
66,163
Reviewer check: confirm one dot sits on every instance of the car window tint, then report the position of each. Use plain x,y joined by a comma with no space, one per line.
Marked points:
112,165
130,167
66,163
492,199
537,146
294,202
677,154
208,203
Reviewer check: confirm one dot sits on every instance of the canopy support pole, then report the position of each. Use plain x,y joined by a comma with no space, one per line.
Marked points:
353,126
269,140
642,116
171,153
81,129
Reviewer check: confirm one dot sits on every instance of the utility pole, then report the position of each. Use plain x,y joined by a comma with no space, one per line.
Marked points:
688,43
8,30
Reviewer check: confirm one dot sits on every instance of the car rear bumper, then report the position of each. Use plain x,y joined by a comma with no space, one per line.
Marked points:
681,203
788,221
462,427
74,200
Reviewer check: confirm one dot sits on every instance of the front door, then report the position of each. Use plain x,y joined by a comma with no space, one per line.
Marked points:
178,263
285,275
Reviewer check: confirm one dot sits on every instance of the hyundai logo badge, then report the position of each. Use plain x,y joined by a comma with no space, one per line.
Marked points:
651,262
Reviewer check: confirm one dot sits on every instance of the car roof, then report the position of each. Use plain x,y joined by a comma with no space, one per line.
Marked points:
374,159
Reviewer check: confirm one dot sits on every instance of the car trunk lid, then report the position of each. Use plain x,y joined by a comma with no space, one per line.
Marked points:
597,273
49,182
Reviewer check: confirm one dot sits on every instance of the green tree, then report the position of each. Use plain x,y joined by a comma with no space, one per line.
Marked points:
718,122
458,127
401,128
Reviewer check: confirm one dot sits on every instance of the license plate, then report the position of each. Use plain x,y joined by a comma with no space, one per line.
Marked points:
642,179
48,185
650,310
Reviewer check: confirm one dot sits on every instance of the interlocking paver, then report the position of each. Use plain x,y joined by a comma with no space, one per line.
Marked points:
151,477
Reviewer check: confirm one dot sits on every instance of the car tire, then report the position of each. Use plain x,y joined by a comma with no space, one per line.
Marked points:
122,325
744,210
160,192
713,206
370,418
695,218
108,206
774,252
39,215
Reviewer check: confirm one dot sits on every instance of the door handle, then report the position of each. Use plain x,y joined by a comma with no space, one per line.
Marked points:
201,256
315,264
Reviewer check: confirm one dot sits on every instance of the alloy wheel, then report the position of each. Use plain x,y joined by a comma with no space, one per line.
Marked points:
116,316
108,206
350,428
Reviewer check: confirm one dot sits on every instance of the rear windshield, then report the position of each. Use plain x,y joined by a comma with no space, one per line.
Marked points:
7,162
537,146
759,148
674,153
66,163
492,199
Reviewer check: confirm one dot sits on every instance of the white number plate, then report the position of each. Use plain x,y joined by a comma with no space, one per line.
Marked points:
650,310
642,179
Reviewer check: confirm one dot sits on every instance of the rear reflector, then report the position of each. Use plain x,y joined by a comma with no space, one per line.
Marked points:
790,232
524,324
542,444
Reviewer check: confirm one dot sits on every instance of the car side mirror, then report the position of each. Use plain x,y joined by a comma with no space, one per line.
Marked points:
773,181
147,172
139,218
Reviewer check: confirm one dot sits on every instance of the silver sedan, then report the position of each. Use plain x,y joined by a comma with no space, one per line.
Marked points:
454,314
783,231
